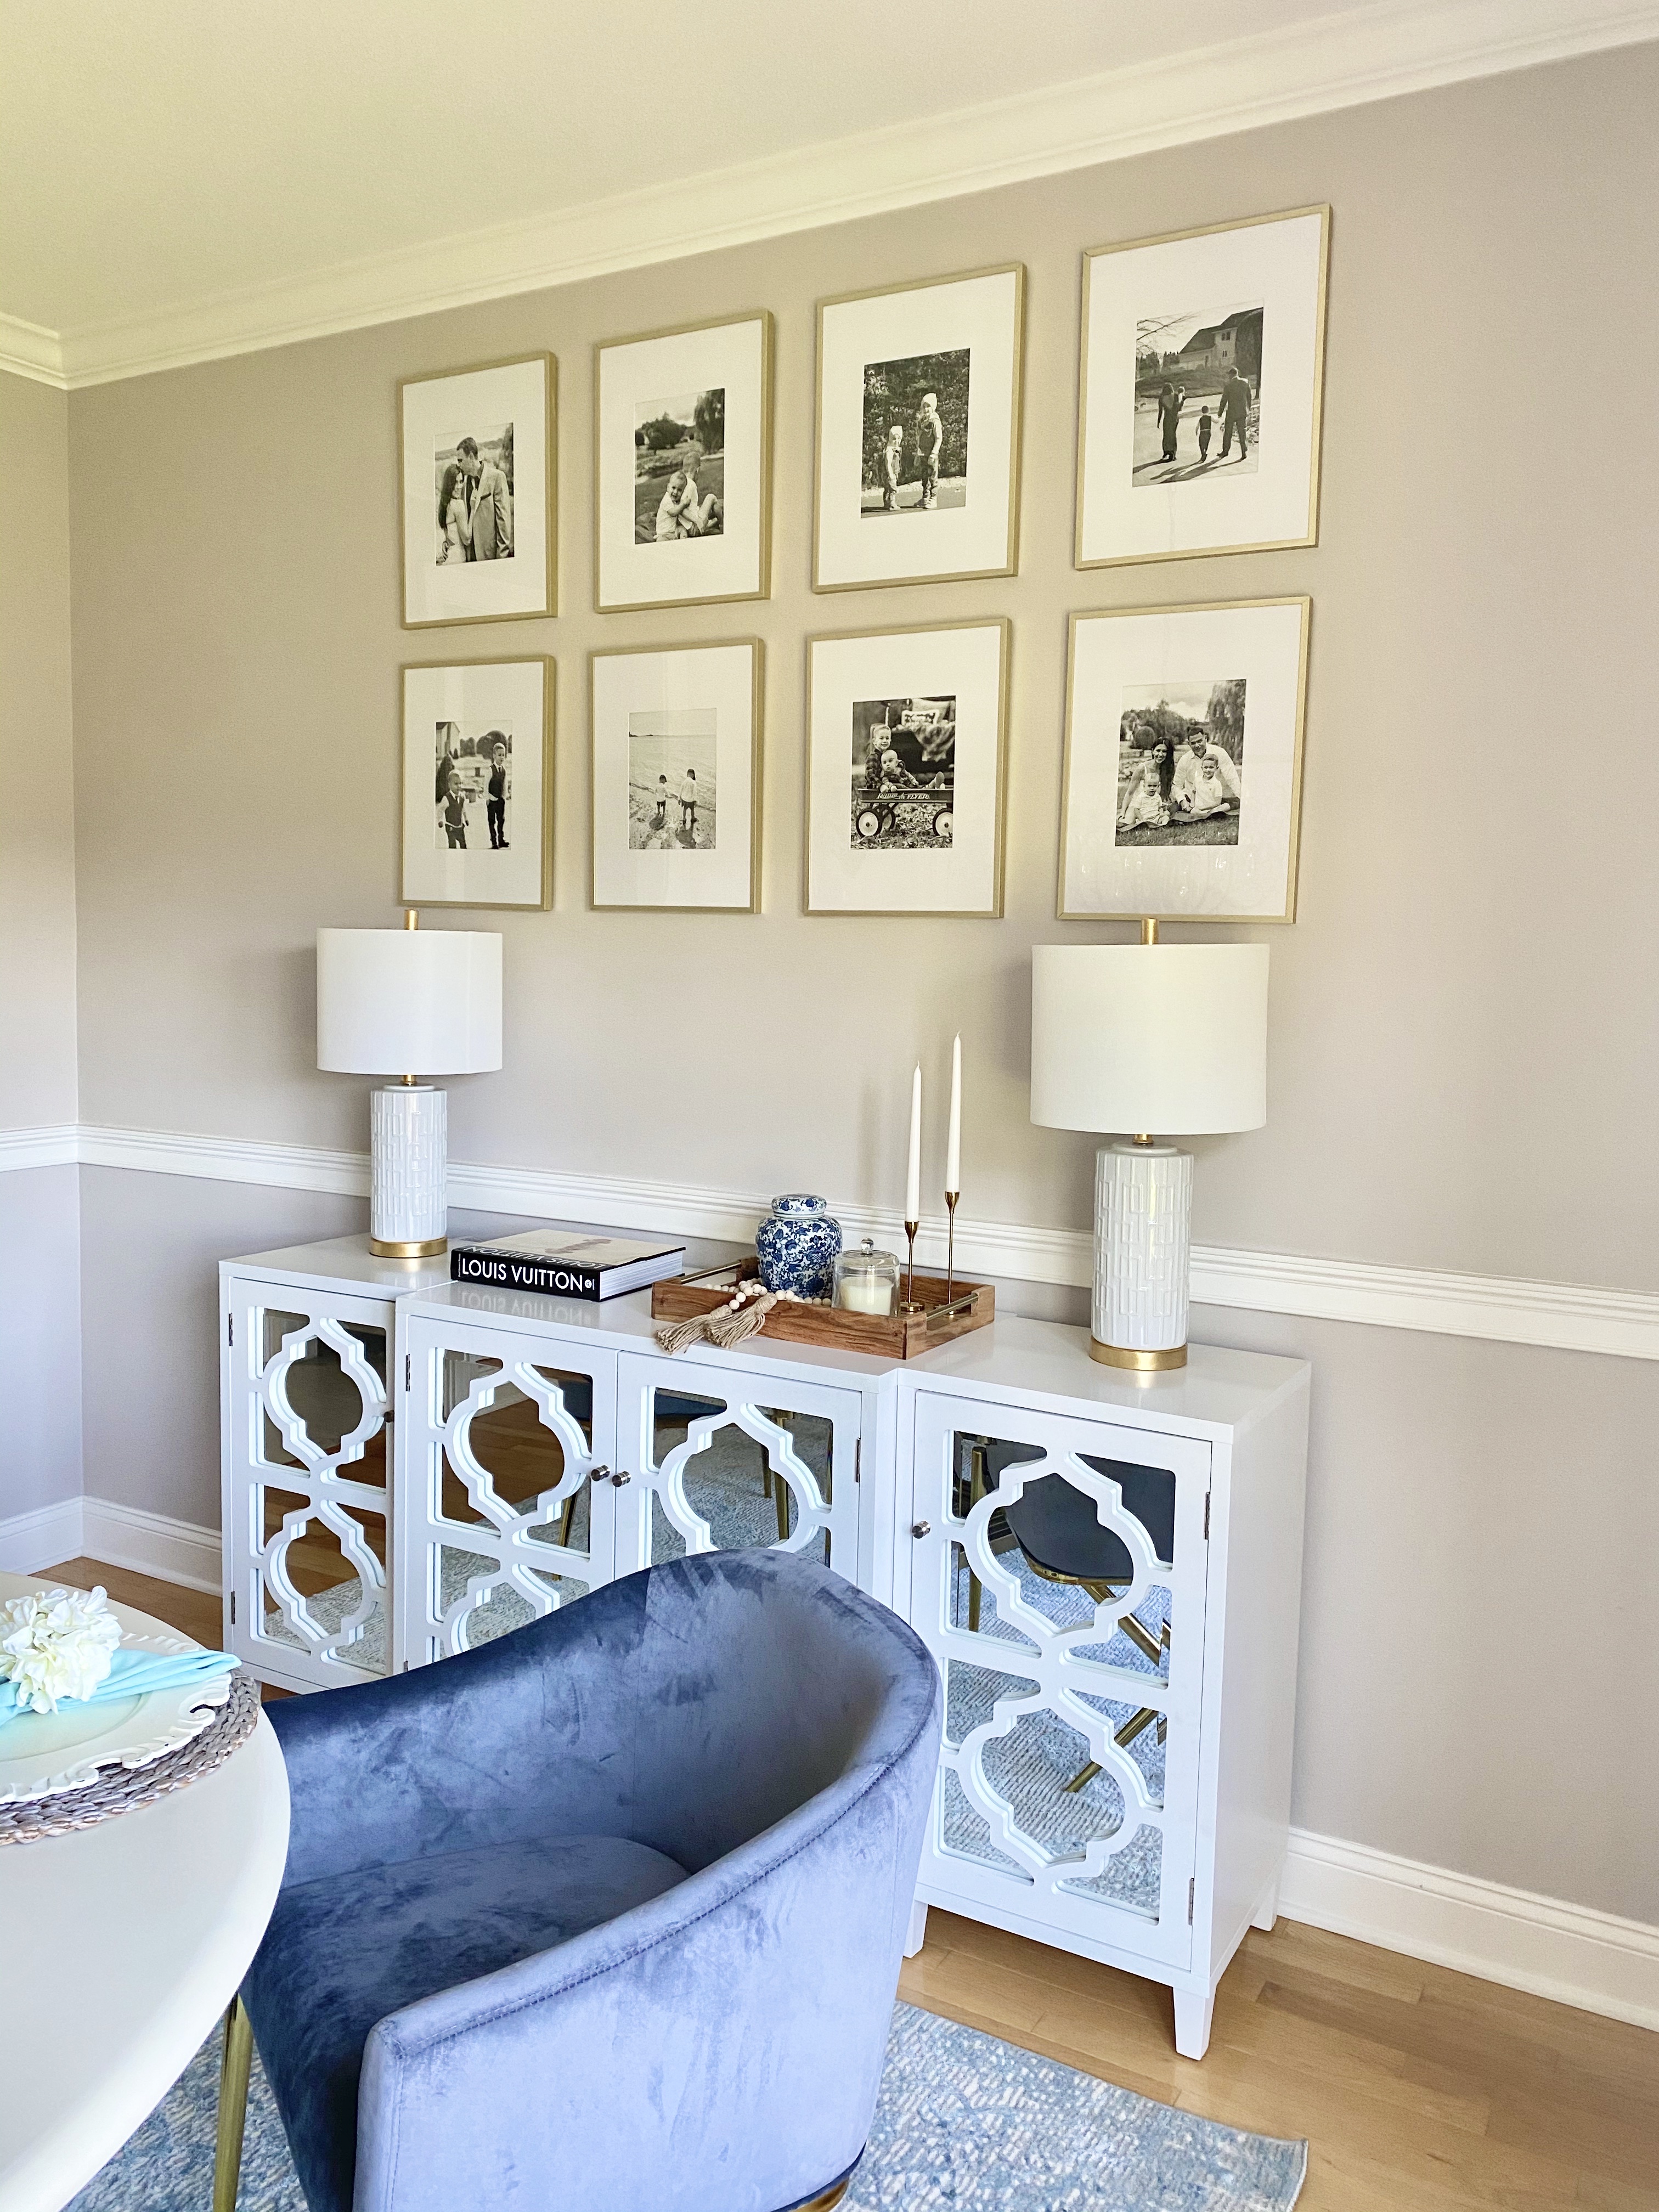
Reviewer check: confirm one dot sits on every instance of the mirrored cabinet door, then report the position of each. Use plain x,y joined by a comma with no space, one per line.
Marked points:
305,1499
508,1507
1057,1571
721,1459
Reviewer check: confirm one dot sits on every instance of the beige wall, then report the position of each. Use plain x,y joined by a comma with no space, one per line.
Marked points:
1457,1005
1464,1057
40,1211
37,804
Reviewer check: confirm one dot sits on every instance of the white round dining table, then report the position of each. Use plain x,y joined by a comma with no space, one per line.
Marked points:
120,1945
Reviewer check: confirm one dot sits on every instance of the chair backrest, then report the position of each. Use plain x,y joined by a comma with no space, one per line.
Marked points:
761,1680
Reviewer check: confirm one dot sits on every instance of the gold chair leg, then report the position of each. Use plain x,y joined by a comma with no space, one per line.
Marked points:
973,1601
780,1493
232,2104
1080,1780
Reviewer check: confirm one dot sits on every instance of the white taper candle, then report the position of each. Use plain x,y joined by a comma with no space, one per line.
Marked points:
913,1177
953,1143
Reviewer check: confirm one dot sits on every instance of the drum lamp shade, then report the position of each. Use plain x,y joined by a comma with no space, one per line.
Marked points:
1171,1040
409,1001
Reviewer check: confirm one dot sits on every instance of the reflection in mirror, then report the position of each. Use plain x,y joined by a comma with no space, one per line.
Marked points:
498,1610
326,1399
318,1569
735,1483
967,1833
970,1696
1132,1877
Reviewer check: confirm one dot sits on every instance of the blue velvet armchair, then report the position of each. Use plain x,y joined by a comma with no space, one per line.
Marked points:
606,1915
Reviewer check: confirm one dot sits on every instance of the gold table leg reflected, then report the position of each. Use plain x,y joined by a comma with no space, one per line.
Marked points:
232,2104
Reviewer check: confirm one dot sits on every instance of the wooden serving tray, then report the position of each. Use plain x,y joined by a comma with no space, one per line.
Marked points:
890,1336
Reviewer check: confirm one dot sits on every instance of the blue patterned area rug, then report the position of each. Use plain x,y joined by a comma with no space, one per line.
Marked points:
965,2122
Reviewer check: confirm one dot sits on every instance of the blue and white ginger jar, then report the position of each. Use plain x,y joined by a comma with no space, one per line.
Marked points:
797,1244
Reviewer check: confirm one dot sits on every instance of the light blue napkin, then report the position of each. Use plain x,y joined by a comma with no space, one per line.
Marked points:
132,1675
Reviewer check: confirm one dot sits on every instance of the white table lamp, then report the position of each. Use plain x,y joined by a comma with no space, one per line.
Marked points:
408,1002
1154,1040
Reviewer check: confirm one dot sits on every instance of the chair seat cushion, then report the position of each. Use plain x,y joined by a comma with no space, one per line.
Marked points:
341,1952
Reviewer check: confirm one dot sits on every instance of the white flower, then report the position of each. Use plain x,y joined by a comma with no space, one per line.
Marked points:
55,1643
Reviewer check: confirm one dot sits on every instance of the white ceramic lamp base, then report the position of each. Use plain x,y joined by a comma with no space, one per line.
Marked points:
1143,1213
409,1164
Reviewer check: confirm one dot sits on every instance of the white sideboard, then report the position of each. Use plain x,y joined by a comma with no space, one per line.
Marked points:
1107,1571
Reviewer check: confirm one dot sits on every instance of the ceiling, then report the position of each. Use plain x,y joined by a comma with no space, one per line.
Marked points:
205,176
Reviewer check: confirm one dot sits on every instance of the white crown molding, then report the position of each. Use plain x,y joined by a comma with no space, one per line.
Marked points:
1305,69
26,350
1503,1308
1568,1952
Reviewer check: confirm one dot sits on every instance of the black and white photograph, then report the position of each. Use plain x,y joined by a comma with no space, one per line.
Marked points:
683,476
1181,763
476,451
1182,793
472,480
1200,389
679,467
1198,397
676,734
904,767
473,788
673,771
917,467
915,433
906,739
477,783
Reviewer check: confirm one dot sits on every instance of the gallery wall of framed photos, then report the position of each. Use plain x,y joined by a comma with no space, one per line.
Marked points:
1200,390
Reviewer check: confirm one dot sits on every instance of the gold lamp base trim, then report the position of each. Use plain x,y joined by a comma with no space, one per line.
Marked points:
1140,1363
427,1248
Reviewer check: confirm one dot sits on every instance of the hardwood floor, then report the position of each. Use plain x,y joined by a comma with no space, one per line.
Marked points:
1420,2090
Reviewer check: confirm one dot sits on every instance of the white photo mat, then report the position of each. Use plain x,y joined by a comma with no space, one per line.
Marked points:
967,661
1265,642
476,697
982,313
433,412
691,687
1277,263
736,357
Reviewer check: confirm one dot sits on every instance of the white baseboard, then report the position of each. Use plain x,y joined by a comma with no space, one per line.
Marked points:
30,1541
1577,1956
150,1544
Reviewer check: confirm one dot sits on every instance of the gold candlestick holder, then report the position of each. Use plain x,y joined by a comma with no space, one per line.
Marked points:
910,1306
951,1198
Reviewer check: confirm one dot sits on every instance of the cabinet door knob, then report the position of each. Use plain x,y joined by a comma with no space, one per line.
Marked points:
618,1479
599,1474
919,1528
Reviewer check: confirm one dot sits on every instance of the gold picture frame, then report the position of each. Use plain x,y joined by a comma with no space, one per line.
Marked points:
422,896
763,588
1008,565
1133,908
756,647
548,608
992,910
1307,514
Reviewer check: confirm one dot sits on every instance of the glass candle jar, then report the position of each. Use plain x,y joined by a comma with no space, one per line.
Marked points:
866,1281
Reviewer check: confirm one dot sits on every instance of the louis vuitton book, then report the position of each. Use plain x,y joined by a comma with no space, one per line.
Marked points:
565,1263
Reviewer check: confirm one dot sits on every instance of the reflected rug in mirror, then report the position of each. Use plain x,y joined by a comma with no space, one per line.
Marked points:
965,2122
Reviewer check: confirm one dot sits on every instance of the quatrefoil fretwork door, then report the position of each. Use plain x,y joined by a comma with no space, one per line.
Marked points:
305,1499
511,1506
722,1459
1057,1573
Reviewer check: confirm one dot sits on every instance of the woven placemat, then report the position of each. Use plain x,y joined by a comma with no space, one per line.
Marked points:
122,1788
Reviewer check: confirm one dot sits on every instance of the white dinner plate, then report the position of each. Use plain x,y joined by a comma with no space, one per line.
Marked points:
41,1753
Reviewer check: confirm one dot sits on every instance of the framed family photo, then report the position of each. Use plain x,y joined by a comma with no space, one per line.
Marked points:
1200,391
676,776
918,431
683,474
476,471
1183,781
907,732
477,783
